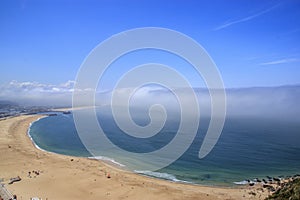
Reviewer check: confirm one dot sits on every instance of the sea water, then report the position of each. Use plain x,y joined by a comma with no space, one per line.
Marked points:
248,148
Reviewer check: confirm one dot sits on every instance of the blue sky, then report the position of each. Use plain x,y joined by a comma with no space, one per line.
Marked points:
253,43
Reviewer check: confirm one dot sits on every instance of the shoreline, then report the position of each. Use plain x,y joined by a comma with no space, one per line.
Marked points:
66,170
119,166
109,161
113,163
31,139
248,180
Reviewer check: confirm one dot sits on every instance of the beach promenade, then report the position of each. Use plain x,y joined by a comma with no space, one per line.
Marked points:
4,193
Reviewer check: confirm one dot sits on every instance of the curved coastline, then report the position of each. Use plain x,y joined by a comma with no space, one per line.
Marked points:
169,176
160,175
28,134
102,158
69,177
157,175
113,162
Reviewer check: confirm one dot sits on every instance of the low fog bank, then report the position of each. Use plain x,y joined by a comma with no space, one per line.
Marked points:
268,102
271,102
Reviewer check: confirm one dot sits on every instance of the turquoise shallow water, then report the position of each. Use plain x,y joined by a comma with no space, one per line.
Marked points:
248,148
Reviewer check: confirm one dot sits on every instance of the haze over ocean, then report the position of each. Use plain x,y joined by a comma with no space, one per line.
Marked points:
260,136
248,148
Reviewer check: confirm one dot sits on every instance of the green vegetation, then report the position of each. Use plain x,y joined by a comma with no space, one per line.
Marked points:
290,191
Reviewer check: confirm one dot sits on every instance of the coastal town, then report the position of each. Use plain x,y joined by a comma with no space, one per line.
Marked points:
10,109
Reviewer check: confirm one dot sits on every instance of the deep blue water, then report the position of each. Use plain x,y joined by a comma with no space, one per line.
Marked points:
248,147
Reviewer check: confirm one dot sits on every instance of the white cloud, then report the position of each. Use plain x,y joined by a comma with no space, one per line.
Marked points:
37,87
68,84
230,23
282,61
37,93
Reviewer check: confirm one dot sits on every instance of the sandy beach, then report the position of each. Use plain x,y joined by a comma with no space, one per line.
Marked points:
59,177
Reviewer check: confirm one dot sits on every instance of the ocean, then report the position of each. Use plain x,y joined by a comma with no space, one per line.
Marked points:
249,148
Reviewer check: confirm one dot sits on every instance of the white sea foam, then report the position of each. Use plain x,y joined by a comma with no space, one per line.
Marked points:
245,182
107,159
241,182
160,175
